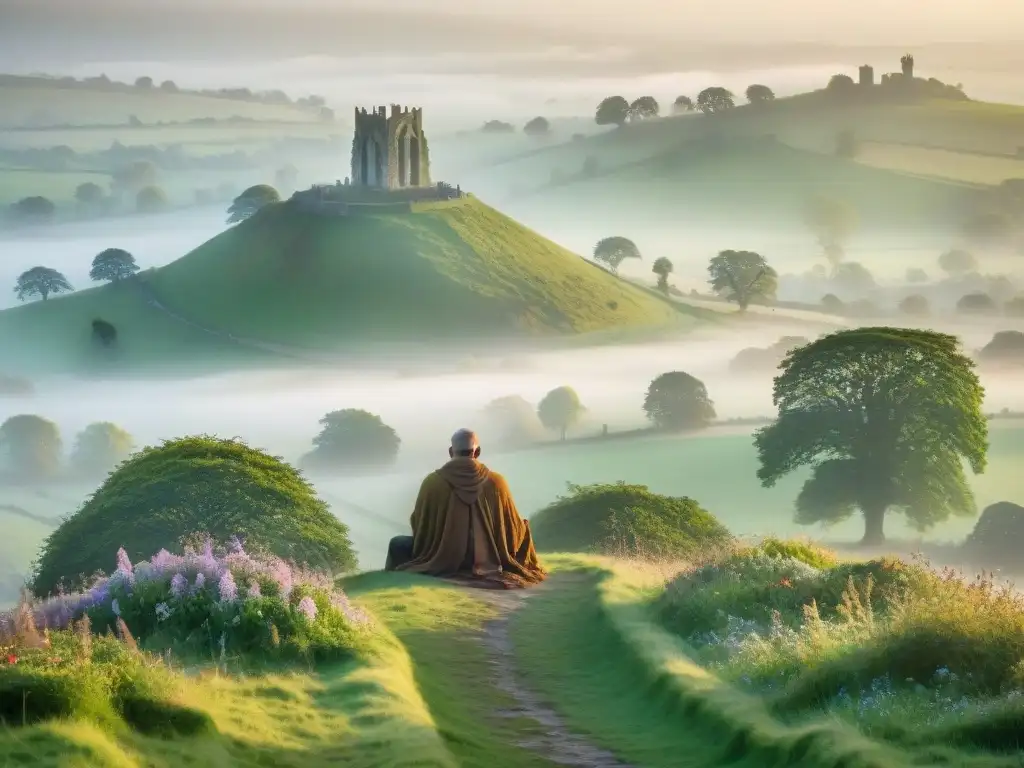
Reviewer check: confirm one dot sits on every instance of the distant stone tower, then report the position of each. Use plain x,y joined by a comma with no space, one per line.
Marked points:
867,75
390,151
907,63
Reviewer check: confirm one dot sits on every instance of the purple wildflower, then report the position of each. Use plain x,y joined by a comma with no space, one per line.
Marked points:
228,588
282,574
164,561
178,585
115,607
307,608
235,545
254,589
200,582
124,563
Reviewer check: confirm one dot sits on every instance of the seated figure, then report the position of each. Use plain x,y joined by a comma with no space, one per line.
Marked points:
465,525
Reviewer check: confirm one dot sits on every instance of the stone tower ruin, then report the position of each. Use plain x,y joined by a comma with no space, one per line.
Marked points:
907,64
389,151
867,75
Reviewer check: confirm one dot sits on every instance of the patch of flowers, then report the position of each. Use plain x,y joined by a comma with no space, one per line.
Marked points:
227,603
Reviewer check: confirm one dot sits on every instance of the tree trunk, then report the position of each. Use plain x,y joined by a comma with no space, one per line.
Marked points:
874,533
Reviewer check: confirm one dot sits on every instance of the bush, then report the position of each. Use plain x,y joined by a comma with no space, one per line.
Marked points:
995,540
626,519
353,439
221,487
1004,347
832,304
32,446
100,447
976,304
676,400
915,305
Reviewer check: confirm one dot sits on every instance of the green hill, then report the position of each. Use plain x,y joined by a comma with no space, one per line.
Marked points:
288,282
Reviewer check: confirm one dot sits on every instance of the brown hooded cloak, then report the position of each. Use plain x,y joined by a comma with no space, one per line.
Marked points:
465,524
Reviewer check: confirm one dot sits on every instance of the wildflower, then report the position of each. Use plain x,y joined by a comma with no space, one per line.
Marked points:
115,607
200,582
124,563
227,587
178,585
163,611
12,659
254,589
307,608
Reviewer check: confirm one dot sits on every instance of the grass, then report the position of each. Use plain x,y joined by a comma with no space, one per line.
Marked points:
442,272
55,336
57,186
83,106
940,163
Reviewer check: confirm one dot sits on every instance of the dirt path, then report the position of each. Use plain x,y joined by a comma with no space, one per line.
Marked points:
557,744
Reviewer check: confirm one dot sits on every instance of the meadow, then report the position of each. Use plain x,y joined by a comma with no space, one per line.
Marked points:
971,168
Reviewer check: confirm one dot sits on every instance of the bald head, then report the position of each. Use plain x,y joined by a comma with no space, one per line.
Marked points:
464,443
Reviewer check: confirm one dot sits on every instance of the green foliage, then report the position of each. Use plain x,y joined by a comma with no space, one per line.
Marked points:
662,268
957,262
759,94
353,439
743,277
615,250
151,199
683,103
643,108
613,110
798,549
33,210
222,487
41,282
560,409
832,303
33,447
883,416
538,126
100,447
1004,347
853,277
89,194
915,305
759,359
251,201
995,540
626,519
977,303
113,265
841,83
677,400
715,100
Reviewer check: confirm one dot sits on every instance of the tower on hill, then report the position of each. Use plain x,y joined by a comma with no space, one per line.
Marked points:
389,151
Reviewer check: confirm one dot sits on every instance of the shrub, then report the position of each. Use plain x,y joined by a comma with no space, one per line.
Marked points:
626,519
915,305
221,487
995,540
976,304
1004,347
100,447
353,439
33,446
803,551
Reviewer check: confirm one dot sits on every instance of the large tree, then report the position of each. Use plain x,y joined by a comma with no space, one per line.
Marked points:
113,265
560,409
151,199
32,446
100,447
956,262
34,210
883,417
250,201
682,104
677,400
614,250
612,111
89,194
662,268
538,126
353,439
41,282
644,108
743,277
759,94
715,99
832,221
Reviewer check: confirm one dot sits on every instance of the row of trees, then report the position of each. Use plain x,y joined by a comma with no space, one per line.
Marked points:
617,110
90,199
109,266
34,450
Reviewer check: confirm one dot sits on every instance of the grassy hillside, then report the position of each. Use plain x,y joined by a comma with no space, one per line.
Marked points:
444,271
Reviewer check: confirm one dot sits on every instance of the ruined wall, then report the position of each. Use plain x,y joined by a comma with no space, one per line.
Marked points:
384,144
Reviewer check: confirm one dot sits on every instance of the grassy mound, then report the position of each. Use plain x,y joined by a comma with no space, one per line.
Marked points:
626,519
221,487
444,271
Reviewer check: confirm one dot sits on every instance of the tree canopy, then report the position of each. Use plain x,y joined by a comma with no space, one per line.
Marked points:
353,439
89,193
151,199
853,277
113,265
957,261
615,250
683,103
538,126
34,209
644,108
977,303
715,100
915,305
743,277
560,409
250,201
612,111
621,519
511,422
759,94
42,282
882,416
100,447
841,83
676,400
222,488
662,268
32,445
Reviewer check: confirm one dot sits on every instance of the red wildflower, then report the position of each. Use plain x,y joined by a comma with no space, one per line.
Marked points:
12,659
784,582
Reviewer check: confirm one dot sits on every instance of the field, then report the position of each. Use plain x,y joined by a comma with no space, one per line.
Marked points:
83,106
941,164
58,186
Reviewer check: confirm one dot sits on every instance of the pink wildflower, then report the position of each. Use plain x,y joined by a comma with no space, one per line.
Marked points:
307,608
228,588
